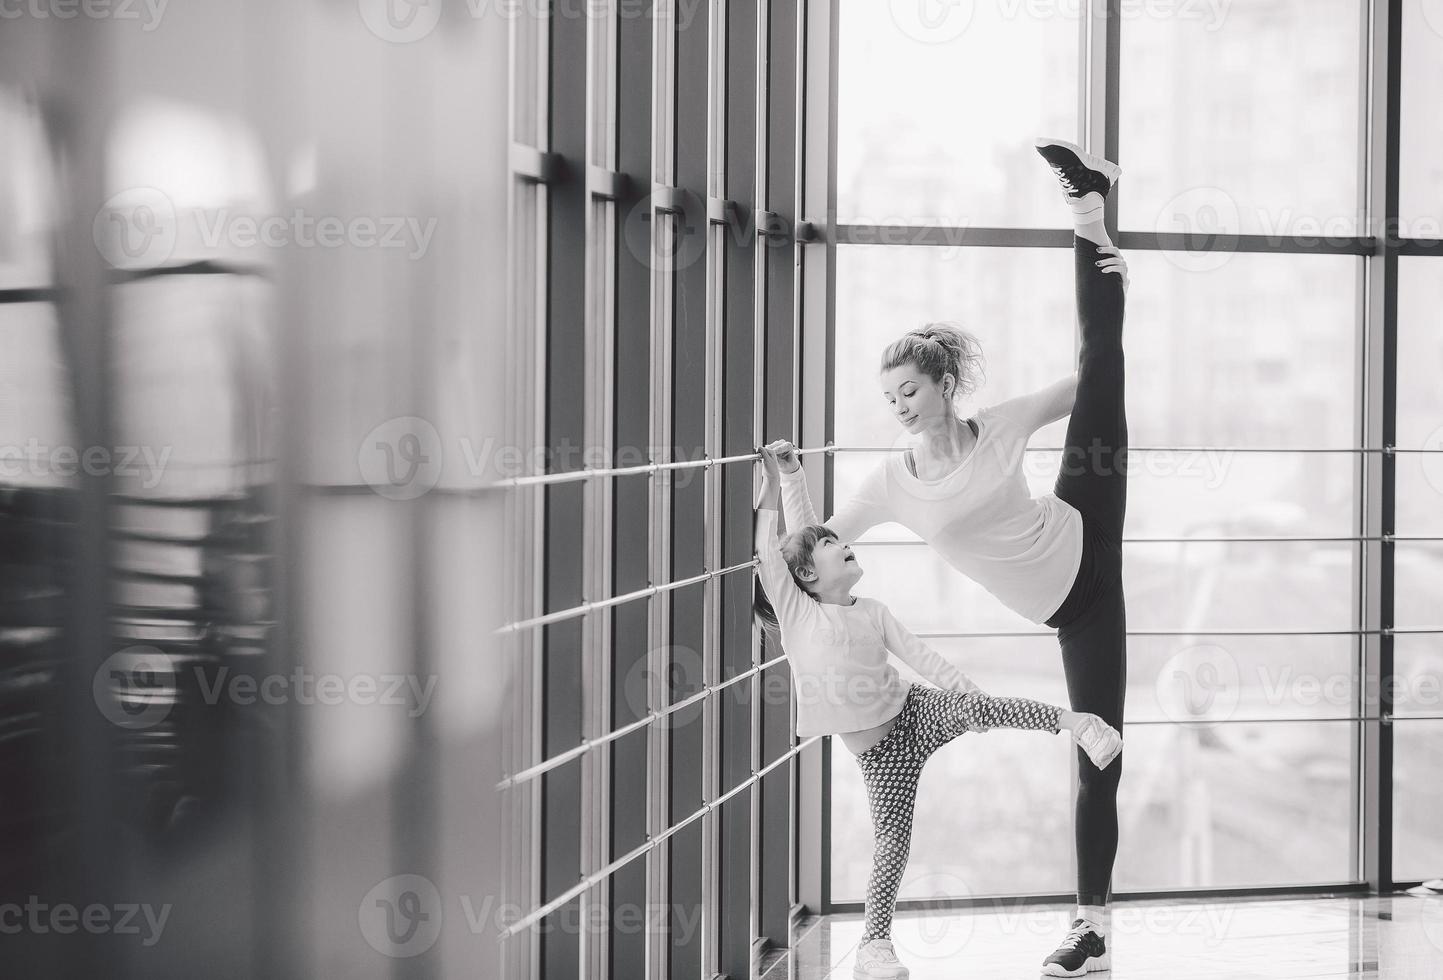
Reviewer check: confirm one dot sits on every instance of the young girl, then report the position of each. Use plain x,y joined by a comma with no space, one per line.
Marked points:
837,646
1054,559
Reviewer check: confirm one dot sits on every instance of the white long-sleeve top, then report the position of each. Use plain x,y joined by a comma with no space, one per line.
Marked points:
838,654
980,518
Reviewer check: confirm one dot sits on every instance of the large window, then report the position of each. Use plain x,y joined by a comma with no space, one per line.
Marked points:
1253,338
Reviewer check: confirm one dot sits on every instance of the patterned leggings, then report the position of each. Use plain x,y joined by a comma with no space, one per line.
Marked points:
929,719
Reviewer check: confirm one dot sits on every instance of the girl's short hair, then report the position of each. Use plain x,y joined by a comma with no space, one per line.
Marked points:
939,349
797,549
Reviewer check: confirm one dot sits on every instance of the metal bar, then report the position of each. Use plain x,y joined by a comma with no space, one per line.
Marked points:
1219,539
1286,244
1015,902
606,185
1147,241
956,635
571,476
587,607
1209,722
206,268
535,166
1385,450
45,294
595,878
952,235
1379,347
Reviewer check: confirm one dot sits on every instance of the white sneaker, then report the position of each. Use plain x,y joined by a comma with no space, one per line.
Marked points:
1098,739
877,959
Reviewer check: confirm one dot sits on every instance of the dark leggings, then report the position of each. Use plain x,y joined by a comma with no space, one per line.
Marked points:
1091,623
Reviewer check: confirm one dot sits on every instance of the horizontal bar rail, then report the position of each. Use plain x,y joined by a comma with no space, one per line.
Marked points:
575,612
1002,634
587,745
706,462
596,877
1220,539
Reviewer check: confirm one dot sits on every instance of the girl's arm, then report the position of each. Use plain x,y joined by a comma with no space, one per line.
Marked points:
922,658
865,509
785,595
1033,411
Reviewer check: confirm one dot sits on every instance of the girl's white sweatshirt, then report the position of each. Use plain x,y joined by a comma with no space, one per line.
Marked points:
838,654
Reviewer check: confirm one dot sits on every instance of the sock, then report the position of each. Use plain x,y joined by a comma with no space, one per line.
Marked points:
1087,215
1096,916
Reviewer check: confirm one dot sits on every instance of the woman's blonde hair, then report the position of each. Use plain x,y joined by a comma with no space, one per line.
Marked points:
940,349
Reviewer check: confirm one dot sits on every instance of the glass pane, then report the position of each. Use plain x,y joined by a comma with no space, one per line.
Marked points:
1019,302
1202,493
1235,678
1420,163
1198,678
1241,118
939,104
1417,796
1418,675
1418,584
1255,351
1420,365
1240,585
1236,805
1191,586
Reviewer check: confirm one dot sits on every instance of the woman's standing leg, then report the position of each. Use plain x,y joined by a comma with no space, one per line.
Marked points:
1092,625
1093,479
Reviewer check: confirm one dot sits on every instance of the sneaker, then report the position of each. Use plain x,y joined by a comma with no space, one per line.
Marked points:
1098,739
1082,952
1085,178
876,958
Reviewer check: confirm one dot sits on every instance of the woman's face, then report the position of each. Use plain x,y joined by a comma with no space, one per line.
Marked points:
915,399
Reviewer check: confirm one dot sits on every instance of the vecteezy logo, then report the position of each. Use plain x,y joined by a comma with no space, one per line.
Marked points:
658,243
942,935
1209,216
401,458
401,916
683,672
1199,683
136,229
932,21
1432,11
135,687
400,21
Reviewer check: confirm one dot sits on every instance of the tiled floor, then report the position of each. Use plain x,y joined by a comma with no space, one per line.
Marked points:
1398,938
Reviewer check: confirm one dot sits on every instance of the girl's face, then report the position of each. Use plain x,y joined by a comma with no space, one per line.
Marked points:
836,567
915,399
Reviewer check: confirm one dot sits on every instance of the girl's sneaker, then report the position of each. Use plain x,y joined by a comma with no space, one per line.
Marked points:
1083,951
1098,739
877,960
1085,178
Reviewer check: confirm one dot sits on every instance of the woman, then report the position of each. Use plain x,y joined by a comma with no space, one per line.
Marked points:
1055,559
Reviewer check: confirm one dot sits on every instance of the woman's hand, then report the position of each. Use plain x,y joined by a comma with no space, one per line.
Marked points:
785,455
1114,263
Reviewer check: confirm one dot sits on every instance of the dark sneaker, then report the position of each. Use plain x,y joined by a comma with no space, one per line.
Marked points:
1081,174
1082,952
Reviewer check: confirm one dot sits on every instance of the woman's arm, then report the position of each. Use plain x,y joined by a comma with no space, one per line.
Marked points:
1033,411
